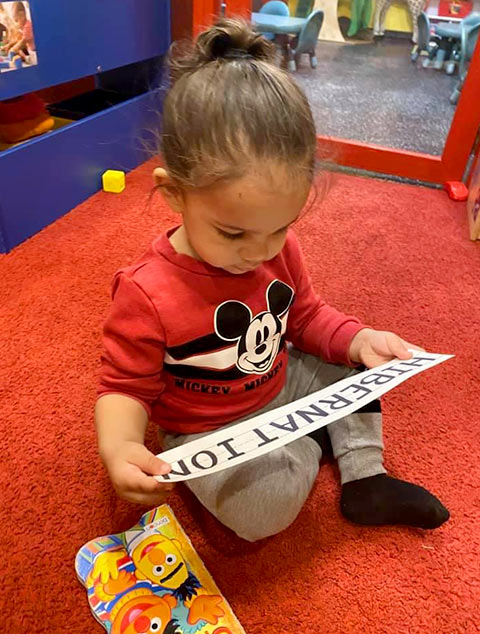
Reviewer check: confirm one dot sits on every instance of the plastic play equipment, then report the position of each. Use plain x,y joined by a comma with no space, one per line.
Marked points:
360,16
274,7
447,45
450,44
306,41
468,43
425,40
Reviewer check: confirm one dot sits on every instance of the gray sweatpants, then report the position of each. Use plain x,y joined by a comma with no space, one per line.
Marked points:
263,496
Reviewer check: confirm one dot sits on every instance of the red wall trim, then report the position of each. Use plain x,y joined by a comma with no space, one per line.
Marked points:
373,158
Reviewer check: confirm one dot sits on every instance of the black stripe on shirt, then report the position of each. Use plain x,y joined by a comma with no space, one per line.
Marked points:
208,343
193,372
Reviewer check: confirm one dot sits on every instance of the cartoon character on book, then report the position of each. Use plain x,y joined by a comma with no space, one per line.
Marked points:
140,582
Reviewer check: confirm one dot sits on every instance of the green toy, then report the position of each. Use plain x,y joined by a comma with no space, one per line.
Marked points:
361,16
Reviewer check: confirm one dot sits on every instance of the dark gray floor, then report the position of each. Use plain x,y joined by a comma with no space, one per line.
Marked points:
372,92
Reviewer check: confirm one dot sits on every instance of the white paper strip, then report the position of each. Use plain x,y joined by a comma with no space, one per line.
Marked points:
230,446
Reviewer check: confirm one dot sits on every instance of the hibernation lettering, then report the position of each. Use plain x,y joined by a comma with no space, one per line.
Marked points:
275,429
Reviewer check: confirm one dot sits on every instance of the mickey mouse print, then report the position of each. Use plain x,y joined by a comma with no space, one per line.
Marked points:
242,343
258,337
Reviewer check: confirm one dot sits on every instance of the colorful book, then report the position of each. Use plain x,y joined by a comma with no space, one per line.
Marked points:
150,580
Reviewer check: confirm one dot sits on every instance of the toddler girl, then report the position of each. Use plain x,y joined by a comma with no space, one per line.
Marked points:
218,321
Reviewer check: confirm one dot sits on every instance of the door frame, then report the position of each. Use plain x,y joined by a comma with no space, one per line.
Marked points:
449,166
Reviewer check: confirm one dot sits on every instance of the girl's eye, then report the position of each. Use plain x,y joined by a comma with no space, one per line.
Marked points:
236,236
229,236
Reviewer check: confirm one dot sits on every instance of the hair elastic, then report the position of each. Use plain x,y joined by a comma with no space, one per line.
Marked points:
237,53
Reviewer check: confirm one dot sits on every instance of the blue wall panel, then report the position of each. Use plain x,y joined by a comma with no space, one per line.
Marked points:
76,38
45,177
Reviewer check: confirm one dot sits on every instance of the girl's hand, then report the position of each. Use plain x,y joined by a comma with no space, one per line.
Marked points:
131,467
374,347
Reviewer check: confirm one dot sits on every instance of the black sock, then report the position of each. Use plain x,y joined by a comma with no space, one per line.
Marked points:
381,500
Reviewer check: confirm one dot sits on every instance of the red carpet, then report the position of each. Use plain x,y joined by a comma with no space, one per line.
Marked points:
396,255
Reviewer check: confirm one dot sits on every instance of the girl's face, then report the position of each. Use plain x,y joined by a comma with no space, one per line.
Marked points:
239,225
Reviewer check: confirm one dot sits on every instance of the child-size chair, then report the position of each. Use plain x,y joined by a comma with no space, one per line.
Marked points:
274,7
469,40
426,40
450,44
306,41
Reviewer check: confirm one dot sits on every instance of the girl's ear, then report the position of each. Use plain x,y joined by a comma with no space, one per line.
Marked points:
171,193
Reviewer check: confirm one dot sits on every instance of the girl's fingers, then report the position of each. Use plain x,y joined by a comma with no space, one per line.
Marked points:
148,462
148,484
398,347
385,348
135,481
146,491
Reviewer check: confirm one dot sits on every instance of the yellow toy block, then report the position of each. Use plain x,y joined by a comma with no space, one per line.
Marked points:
113,181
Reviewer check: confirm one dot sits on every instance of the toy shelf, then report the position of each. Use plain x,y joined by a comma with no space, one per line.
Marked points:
79,38
123,45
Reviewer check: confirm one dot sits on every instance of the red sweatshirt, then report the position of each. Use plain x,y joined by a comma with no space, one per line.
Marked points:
199,347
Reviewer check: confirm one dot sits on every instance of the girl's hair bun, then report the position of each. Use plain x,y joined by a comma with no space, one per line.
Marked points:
230,111
228,39
234,39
